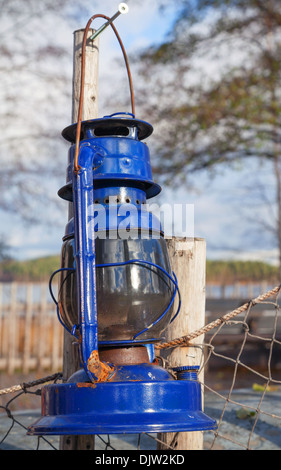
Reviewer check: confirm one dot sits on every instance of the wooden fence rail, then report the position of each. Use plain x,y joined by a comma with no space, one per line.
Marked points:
31,337
237,290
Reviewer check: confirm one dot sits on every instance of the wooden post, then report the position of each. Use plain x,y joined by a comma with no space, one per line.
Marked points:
188,261
71,361
90,108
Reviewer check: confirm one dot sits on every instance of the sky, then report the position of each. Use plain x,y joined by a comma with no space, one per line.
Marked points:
218,214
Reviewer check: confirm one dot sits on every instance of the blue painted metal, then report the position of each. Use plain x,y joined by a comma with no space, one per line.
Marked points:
143,398
134,398
124,158
151,351
186,372
133,128
109,218
85,257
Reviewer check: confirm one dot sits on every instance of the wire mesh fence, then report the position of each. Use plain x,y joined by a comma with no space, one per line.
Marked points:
241,356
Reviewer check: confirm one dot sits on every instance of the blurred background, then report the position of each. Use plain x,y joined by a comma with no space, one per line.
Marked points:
207,77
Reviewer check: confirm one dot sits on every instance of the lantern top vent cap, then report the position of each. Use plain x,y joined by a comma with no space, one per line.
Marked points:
114,122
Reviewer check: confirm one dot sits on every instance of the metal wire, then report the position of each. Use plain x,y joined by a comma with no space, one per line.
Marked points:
80,109
124,263
248,436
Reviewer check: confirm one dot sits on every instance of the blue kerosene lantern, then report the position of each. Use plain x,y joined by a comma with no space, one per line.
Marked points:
117,294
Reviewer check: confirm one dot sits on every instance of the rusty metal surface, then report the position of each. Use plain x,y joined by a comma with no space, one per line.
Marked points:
99,369
125,356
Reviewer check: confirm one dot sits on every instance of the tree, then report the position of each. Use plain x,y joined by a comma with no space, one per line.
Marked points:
4,251
35,75
216,87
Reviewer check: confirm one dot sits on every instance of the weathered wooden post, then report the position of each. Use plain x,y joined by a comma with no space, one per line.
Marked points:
90,111
188,261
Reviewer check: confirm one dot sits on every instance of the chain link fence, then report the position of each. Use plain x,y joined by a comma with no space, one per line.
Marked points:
247,406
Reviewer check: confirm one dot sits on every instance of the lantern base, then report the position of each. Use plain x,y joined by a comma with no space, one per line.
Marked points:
128,405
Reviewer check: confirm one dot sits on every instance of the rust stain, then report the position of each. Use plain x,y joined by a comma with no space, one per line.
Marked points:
85,384
99,369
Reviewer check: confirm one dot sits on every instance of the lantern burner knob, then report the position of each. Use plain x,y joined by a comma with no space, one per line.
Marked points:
186,372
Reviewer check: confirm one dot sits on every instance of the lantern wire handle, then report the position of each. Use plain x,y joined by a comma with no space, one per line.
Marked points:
122,9
124,263
57,302
173,280
84,43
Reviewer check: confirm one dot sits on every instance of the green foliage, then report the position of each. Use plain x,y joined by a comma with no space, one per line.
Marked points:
244,413
5,250
32,270
213,91
227,272
217,270
220,118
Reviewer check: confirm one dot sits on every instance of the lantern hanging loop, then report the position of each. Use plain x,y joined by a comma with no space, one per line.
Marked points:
81,100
